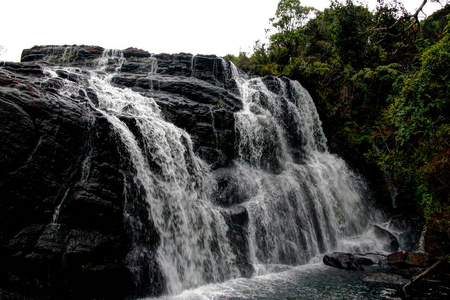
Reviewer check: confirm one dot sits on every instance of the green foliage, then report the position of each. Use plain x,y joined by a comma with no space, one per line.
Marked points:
419,129
349,32
433,28
290,19
291,16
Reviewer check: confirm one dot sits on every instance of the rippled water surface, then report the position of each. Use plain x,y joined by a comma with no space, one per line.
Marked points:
313,281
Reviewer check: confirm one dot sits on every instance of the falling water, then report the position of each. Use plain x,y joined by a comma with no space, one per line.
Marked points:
111,60
301,203
193,248
300,199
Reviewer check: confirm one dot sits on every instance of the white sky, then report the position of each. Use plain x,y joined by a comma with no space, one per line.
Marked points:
170,26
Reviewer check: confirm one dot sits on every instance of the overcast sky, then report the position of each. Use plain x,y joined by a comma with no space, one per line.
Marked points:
194,26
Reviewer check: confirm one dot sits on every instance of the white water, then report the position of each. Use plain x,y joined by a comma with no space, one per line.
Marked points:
297,209
193,246
305,282
299,205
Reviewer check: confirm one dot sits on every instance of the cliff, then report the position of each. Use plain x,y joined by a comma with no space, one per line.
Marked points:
62,228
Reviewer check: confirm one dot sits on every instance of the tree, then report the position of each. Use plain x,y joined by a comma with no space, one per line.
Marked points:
291,16
415,140
290,19
350,32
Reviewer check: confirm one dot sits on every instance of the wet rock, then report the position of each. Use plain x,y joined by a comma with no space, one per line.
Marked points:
408,231
62,204
409,259
138,62
397,258
53,84
69,76
420,259
233,187
390,242
346,261
205,111
23,68
135,53
18,136
208,68
64,234
238,215
63,55
144,66
175,64
237,221
385,280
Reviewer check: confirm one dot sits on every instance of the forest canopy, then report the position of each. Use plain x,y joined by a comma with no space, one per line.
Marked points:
381,83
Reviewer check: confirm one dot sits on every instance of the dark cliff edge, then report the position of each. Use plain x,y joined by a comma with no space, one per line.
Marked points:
63,234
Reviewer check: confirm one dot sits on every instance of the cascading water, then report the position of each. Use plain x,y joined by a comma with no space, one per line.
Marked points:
193,248
301,200
301,203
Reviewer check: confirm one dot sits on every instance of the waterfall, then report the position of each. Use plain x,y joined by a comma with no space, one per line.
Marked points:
193,248
299,199
301,203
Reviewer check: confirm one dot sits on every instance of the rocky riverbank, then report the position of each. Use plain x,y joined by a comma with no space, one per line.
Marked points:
414,275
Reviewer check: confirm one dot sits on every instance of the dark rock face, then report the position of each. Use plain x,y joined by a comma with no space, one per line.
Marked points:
196,93
73,55
237,220
203,110
56,157
63,185
390,241
231,188
346,261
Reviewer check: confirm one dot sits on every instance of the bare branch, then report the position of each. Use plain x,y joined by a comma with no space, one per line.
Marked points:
427,271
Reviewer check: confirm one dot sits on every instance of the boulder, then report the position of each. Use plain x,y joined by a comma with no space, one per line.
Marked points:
346,261
397,258
407,229
390,242
233,187
409,259
419,259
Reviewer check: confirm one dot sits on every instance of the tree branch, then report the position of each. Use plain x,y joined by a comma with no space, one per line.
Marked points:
415,16
426,272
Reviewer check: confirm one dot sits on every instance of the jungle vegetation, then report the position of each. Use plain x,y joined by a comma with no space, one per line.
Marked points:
381,83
